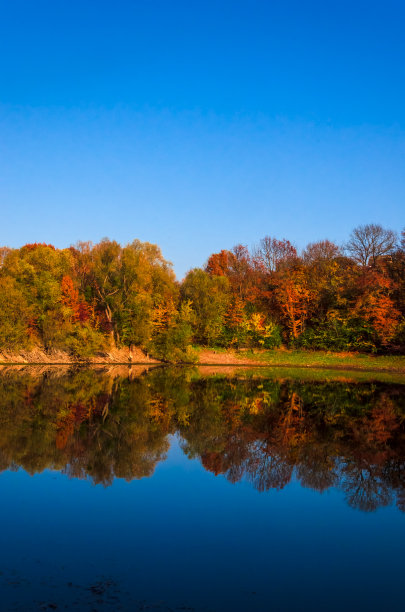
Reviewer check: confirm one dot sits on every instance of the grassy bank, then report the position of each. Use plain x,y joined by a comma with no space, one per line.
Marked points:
305,359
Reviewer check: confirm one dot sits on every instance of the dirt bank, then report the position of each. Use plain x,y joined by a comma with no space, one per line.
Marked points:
207,357
40,356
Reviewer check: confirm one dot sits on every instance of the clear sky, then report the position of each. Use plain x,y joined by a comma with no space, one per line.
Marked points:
198,125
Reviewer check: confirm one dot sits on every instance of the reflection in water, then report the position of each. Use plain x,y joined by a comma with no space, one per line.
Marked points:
107,425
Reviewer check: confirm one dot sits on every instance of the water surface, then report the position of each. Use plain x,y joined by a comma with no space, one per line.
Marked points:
206,490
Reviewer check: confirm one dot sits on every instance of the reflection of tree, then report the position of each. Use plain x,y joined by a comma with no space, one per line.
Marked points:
394,473
268,469
317,468
84,424
365,488
330,434
327,434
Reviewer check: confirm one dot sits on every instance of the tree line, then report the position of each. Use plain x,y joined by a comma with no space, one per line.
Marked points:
90,298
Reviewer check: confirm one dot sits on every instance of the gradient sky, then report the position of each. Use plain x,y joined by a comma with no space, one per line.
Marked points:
199,125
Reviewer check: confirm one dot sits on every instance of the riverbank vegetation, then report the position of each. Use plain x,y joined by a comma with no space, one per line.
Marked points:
93,298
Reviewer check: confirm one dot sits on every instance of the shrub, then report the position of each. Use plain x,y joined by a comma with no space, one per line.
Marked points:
338,336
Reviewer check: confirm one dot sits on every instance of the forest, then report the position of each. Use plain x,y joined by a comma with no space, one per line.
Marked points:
90,298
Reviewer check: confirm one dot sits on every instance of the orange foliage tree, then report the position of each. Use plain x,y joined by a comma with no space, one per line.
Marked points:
295,300
374,304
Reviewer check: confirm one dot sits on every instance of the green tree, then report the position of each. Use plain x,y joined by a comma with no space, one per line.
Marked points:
210,297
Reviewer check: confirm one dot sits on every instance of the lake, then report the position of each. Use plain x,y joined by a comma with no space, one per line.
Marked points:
206,489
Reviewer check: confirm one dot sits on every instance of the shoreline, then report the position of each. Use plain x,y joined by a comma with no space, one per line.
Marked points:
244,365
207,358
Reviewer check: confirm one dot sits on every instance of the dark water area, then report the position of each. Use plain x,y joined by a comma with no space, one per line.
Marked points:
184,489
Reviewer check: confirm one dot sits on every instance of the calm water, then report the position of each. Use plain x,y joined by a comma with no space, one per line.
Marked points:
174,489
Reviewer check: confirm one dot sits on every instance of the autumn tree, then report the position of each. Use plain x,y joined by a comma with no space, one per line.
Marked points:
295,300
127,283
238,266
17,328
220,264
374,305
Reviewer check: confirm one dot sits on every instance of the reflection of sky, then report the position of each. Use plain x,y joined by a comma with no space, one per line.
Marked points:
186,537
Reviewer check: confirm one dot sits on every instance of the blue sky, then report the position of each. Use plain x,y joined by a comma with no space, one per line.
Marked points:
199,125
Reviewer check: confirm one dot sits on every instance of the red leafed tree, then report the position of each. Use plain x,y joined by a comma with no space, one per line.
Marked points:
213,462
35,245
70,298
239,267
219,264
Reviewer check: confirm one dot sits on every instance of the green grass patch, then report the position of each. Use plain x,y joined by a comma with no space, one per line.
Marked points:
325,359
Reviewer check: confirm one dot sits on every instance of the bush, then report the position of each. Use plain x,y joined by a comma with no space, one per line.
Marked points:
252,332
81,340
399,338
174,344
338,336
267,336
85,342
